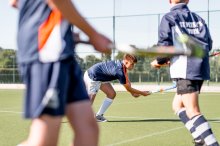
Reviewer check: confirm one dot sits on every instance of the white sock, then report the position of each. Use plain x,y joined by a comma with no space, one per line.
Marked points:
105,105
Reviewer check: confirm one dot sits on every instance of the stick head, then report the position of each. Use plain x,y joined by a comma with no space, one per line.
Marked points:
193,47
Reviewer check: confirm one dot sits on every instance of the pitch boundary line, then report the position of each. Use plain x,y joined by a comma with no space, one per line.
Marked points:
13,112
146,136
140,101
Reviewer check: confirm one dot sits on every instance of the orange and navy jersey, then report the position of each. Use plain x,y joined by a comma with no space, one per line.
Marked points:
109,71
42,34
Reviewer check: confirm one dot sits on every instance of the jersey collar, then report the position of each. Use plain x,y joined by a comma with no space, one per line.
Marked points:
179,6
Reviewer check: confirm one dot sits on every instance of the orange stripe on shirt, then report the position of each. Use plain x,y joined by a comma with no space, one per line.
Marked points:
46,28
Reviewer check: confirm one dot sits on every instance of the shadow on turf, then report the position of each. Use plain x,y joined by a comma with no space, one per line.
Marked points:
147,120
152,120
157,120
144,120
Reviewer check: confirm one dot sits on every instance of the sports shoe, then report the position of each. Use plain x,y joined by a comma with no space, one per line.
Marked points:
100,118
201,143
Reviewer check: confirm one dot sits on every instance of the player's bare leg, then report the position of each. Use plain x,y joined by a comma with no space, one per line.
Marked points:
92,97
202,128
177,103
110,95
180,111
44,131
81,118
108,90
190,101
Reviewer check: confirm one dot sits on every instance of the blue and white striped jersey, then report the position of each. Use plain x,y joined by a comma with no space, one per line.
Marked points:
109,71
180,17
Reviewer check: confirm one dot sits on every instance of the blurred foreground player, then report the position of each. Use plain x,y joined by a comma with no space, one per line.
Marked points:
54,86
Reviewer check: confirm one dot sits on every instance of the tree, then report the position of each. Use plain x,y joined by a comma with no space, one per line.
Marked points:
119,56
80,61
8,68
105,57
90,60
214,66
7,58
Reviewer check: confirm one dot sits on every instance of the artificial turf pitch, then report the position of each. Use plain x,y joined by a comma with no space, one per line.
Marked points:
143,121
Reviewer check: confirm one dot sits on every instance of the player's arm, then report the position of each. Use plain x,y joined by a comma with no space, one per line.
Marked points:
134,92
160,62
13,3
165,39
69,12
126,83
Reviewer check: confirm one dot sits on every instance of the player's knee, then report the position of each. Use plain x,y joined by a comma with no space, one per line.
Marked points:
96,128
111,95
175,111
92,130
176,108
193,112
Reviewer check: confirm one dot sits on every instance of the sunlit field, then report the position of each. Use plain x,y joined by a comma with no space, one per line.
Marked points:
145,121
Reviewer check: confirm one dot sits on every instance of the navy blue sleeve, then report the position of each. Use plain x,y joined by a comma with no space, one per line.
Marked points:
209,38
165,32
165,37
122,78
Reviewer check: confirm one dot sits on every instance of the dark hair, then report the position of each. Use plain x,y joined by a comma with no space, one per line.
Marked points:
130,57
182,1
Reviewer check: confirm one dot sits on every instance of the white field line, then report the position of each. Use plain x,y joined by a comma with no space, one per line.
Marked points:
149,98
136,101
216,121
145,136
13,112
9,108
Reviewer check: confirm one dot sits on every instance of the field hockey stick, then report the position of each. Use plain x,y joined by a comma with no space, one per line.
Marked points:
186,45
164,89
185,42
214,54
154,51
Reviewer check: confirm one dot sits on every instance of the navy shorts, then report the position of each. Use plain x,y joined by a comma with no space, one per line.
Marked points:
185,86
51,86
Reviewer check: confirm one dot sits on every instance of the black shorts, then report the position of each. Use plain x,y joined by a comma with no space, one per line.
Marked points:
51,86
185,86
